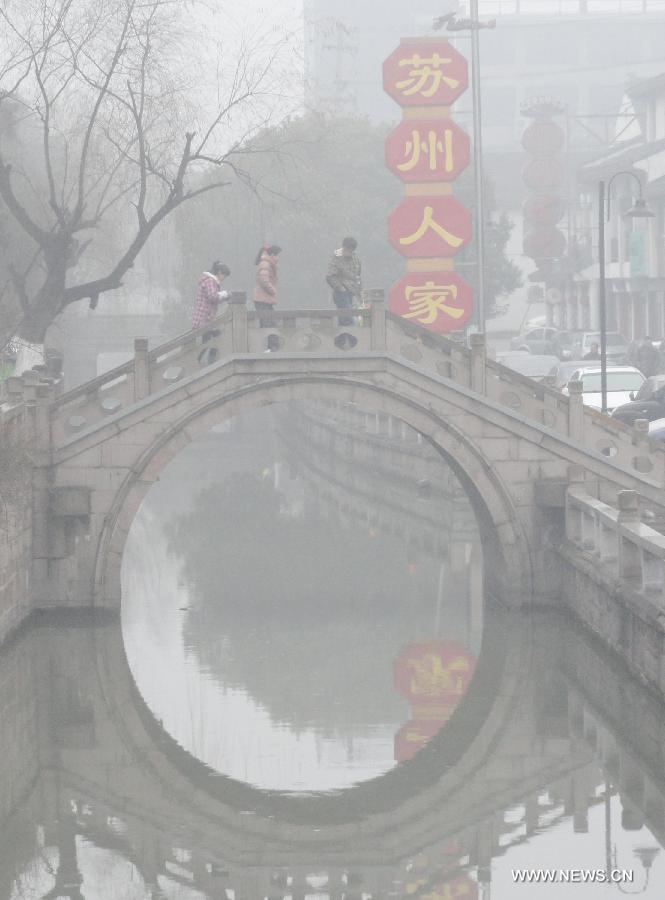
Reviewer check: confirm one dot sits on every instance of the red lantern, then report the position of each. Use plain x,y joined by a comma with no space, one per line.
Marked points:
544,209
543,174
544,243
543,138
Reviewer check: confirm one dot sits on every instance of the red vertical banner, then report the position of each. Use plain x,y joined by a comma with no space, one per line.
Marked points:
428,151
434,676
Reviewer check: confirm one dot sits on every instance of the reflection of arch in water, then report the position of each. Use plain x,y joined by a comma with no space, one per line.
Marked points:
375,470
153,823
404,798
505,542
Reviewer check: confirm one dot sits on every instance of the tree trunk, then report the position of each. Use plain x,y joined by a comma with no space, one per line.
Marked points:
44,307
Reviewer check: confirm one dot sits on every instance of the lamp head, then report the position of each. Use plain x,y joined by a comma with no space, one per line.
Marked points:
646,855
640,210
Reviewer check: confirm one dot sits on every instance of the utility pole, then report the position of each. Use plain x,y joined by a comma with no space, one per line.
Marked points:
473,24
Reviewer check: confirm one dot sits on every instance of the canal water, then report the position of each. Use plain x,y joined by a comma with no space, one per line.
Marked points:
307,695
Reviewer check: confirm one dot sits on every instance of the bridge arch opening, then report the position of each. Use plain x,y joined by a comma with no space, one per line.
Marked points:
505,545
311,556
383,421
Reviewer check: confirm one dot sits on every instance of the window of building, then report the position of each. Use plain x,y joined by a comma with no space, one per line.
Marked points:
552,45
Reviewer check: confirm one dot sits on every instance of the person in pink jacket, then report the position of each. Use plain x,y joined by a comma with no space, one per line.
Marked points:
265,289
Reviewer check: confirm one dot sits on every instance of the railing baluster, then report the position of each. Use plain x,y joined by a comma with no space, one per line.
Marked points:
141,369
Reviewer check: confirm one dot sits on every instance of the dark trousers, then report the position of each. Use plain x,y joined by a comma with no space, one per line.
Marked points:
209,354
343,300
262,307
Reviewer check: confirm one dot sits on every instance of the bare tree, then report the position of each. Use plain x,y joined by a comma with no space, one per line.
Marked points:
128,101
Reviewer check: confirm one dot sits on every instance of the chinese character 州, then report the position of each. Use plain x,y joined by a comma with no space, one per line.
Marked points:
425,75
430,222
431,147
427,301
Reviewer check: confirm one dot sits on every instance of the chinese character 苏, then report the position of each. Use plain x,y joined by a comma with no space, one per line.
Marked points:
425,75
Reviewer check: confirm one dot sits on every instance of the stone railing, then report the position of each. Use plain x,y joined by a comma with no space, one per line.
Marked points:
322,332
618,541
237,331
630,448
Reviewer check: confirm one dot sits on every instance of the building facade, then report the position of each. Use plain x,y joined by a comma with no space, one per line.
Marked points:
635,247
580,53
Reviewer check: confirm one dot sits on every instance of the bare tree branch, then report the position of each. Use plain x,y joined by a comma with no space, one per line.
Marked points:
17,209
125,128
119,49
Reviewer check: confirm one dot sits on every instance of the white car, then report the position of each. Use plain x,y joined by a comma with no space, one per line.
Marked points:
623,382
617,345
657,429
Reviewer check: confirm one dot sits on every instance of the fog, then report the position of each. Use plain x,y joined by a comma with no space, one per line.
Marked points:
332,408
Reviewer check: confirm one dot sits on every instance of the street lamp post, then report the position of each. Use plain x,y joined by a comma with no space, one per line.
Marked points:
478,161
639,210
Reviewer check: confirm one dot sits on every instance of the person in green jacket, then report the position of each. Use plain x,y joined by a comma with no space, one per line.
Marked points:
345,277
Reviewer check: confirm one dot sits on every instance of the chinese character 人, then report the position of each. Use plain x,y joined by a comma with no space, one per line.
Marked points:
430,222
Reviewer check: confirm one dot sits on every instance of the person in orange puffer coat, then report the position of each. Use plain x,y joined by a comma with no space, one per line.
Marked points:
265,289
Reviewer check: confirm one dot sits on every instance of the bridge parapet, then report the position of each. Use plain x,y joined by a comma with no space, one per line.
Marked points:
370,330
617,540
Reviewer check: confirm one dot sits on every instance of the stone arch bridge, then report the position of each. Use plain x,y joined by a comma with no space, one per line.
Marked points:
97,449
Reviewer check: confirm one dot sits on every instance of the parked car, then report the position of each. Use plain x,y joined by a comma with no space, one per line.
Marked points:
536,340
565,344
617,345
623,382
534,365
649,402
657,429
560,374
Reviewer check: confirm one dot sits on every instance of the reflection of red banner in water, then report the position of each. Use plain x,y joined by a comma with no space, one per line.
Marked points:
434,676
460,888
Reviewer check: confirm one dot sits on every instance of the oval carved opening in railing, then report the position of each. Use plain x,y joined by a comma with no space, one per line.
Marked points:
76,423
642,464
308,341
174,373
511,400
208,356
411,352
346,341
607,448
273,342
110,405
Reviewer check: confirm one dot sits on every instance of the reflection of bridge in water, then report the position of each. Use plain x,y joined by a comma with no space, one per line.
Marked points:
543,730
376,470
